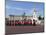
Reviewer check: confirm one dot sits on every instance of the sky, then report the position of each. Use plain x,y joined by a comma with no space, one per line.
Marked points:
19,7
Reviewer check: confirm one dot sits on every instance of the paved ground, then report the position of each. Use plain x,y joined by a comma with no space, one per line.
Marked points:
24,29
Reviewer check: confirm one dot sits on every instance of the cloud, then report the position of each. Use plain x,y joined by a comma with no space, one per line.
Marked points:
15,0
17,8
8,7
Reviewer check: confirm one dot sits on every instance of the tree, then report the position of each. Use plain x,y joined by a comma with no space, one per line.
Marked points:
39,18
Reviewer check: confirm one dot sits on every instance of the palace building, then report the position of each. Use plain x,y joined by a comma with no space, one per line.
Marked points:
24,17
